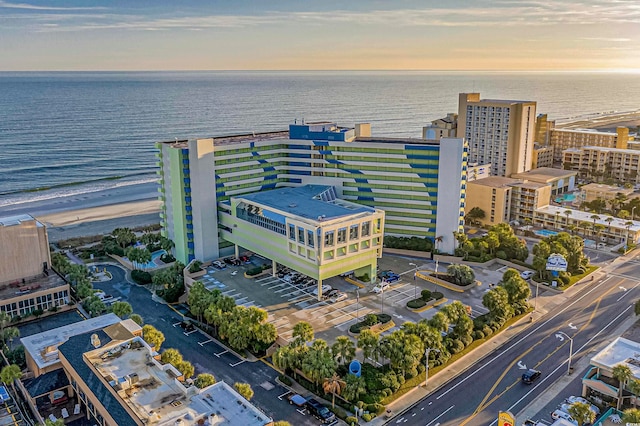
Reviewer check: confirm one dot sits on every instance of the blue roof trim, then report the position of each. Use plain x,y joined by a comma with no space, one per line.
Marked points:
423,147
320,143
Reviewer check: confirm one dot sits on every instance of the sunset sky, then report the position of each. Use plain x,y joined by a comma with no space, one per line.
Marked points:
320,35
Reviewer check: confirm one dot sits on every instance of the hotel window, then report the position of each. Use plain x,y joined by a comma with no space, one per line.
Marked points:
310,238
353,232
301,235
292,232
342,235
377,226
328,238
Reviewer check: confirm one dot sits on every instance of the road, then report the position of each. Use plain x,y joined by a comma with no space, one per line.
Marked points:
493,383
206,356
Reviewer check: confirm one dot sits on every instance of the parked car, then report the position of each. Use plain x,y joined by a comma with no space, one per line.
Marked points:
593,408
296,399
530,376
329,293
187,326
319,411
392,278
559,414
218,264
337,297
525,275
382,275
379,288
228,260
325,289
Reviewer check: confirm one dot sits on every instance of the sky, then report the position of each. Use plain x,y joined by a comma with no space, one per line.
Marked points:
558,35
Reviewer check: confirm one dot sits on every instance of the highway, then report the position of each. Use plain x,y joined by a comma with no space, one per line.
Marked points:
493,383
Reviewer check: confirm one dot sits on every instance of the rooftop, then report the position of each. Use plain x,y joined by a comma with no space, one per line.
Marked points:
605,188
496,181
620,351
315,202
17,220
152,391
45,281
589,131
607,149
530,185
545,174
43,347
587,217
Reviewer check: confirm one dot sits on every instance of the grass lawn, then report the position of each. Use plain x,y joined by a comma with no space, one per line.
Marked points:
575,278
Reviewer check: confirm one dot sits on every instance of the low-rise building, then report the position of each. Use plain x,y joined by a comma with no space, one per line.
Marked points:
602,228
563,139
593,191
101,369
593,162
308,229
599,383
561,181
542,156
441,128
27,282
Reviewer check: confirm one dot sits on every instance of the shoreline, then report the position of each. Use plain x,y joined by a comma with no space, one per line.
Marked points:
93,213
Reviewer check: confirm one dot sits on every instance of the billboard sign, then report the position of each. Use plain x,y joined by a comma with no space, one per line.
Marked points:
556,262
505,418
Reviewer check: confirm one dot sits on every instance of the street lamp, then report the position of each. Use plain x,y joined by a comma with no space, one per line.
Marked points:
559,336
426,363
415,284
632,210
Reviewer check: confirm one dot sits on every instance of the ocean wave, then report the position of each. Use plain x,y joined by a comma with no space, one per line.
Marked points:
75,189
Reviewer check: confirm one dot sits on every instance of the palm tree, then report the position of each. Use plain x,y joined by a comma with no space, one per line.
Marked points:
582,413
628,225
333,385
369,342
599,228
343,349
609,219
622,373
632,415
437,242
10,374
594,217
556,220
567,213
634,387
355,386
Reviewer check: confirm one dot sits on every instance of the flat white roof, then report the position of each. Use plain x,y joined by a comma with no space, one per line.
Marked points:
17,220
43,347
586,217
620,351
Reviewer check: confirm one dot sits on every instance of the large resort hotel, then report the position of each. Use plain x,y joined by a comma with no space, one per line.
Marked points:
229,189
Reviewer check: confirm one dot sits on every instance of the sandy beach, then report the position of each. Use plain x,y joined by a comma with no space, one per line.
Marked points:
93,213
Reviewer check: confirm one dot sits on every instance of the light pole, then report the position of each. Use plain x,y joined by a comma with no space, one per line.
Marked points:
415,284
426,363
436,275
559,335
357,306
632,210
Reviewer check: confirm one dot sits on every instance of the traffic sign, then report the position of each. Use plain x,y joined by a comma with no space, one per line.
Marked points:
505,418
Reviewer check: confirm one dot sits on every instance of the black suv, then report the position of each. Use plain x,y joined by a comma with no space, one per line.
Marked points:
530,376
319,411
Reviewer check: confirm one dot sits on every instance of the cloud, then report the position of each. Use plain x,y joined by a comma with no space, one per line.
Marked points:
484,13
608,39
7,5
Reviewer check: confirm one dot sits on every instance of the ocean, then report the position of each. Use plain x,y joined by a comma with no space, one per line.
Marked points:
66,133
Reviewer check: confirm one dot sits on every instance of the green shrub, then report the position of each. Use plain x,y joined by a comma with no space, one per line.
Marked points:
376,408
416,303
426,295
384,318
167,258
367,417
478,335
371,319
141,277
195,266
500,254
254,271
351,421
437,295
364,278
466,340
284,379
456,346
387,392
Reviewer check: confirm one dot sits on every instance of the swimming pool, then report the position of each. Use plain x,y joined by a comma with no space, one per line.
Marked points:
545,233
155,260
565,198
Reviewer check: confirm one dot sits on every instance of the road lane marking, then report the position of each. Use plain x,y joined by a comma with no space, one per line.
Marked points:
441,414
507,350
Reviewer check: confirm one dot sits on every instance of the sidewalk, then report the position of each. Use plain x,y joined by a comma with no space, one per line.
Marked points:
544,305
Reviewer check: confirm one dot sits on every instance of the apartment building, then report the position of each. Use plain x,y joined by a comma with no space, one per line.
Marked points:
542,156
608,193
561,181
446,127
419,184
27,282
500,132
563,139
593,162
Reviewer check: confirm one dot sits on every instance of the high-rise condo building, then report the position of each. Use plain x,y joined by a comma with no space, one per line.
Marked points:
420,184
500,132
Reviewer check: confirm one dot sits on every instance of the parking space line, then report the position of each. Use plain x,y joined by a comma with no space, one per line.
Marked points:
221,353
190,332
284,394
303,411
175,324
238,363
205,342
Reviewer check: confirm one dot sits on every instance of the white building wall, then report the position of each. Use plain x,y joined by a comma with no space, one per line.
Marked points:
449,210
204,203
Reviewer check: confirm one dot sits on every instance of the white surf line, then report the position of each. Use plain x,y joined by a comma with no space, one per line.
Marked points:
507,350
